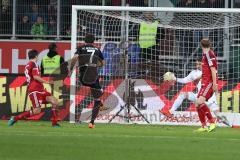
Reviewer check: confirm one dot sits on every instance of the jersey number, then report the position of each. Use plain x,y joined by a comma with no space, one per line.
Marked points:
27,75
92,51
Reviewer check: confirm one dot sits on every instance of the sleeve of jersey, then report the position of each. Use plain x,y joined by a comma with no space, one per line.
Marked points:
35,70
78,51
101,55
211,59
186,79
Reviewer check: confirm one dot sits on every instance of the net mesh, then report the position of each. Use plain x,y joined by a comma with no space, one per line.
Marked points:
176,20
176,50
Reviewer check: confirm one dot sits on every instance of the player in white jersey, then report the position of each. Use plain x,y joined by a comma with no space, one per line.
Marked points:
195,76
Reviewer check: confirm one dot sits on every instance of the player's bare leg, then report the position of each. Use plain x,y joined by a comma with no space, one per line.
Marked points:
54,103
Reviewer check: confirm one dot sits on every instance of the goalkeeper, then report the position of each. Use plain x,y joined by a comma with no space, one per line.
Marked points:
89,58
194,76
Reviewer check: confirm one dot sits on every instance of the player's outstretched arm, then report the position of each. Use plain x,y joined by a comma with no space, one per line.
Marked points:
192,77
187,79
72,62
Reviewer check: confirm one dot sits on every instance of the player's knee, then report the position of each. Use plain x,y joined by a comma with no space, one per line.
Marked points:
55,102
97,104
183,95
36,111
198,102
97,93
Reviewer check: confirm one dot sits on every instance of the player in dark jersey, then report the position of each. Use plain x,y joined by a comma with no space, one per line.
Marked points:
89,58
208,86
36,92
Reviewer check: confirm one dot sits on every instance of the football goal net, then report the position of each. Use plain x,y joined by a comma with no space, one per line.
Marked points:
140,44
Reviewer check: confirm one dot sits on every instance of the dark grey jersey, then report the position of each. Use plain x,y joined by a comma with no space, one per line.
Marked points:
88,58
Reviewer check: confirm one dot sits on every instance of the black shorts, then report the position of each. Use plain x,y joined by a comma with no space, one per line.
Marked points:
96,89
95,85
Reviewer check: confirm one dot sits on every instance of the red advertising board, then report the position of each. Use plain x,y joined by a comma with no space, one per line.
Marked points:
13,55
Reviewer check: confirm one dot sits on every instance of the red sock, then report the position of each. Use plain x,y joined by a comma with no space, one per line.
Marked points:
54,118
207,112
201,116
22,115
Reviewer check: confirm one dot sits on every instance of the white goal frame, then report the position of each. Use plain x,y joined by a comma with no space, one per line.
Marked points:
75,9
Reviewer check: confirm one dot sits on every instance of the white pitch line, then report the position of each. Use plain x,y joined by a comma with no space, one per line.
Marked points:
66,134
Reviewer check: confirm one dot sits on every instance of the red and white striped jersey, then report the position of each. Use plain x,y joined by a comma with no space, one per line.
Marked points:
31,69
209,60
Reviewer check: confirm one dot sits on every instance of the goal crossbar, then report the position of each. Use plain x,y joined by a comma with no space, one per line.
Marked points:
156,9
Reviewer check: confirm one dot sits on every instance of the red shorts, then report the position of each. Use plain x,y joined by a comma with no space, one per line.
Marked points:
37,98
206,91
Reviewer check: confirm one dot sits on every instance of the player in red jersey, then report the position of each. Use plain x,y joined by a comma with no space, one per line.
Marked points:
209,86
36,92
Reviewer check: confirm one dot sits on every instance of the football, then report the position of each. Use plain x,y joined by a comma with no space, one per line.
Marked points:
169,76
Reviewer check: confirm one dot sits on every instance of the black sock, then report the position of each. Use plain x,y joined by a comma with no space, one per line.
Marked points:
95,110
79,112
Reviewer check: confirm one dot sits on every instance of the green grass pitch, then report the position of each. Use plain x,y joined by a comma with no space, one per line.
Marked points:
38,140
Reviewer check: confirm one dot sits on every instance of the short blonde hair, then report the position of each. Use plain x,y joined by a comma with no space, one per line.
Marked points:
206,43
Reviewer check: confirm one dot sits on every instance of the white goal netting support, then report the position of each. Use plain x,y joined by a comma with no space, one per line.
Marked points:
140,44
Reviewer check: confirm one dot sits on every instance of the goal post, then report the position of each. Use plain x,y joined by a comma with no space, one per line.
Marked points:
178,32
73,79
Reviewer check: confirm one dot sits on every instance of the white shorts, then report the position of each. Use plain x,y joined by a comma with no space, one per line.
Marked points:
192,96
211,103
